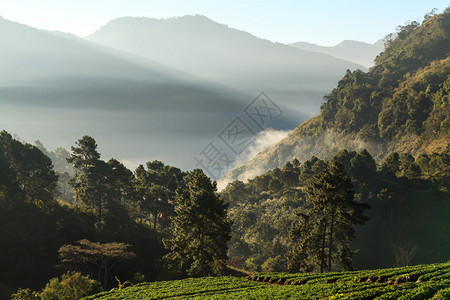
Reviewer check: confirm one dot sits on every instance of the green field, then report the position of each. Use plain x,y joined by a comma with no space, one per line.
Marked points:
416,282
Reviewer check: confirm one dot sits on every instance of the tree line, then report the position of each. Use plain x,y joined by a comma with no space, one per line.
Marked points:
280,222
157,221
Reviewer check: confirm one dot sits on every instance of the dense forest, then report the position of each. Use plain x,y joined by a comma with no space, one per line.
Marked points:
35,223
73,224
265,210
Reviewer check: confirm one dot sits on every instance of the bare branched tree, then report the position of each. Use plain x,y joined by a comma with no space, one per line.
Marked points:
95,259
403,253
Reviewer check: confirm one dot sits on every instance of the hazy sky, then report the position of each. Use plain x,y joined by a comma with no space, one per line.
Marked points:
325,22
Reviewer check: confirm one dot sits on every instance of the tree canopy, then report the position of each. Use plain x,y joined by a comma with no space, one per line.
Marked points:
200,228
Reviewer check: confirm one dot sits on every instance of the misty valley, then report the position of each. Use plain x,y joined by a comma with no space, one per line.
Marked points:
183,158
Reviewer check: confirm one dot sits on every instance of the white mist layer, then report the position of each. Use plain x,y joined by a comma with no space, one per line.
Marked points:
263,140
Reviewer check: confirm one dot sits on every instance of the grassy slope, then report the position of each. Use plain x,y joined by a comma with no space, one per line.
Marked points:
396,283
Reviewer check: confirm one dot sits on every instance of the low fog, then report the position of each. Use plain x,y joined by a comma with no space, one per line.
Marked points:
149,89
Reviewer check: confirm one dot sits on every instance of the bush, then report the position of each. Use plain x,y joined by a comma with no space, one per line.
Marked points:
237,262
73,285
275,264
138,278
25,294
251,265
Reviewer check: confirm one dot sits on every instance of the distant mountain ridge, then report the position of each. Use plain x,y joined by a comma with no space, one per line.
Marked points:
297,79
56,88
402,104
358,52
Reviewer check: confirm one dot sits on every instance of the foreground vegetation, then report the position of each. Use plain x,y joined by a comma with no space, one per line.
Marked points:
416,282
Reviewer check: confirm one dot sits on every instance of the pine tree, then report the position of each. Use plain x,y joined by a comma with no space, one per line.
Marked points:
327,225
31,170
155,189
391,164
89,174
201,229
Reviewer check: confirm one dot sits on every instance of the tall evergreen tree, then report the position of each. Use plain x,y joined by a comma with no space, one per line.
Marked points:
155,189
391,164
327,225
89,174
32,169
200,228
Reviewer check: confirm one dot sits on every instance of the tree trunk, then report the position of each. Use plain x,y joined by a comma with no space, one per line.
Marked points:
322,259
333,209
99,208
202,246
105,281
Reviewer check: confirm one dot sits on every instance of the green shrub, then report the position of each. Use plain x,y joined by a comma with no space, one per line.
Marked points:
251,265
275,264
138,278
25,294
73,285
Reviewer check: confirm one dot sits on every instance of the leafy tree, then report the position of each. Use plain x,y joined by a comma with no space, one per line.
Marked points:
327,225
64,191
95,259
32,169
200,228
155,189
261,183
391,164
423,161
25,294
363,166
235,192
289,174
85,160
33,226
275,185
406,161
119,181
275,264
72,286
98,184
413,171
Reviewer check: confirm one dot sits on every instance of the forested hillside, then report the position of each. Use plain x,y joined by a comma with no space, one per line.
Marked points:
34,223
157,222
400,104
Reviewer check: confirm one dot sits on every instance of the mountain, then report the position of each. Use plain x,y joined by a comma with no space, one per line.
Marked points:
402,104
296,78
358,52
55,87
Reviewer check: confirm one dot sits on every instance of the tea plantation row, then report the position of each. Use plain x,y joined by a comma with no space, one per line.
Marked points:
416,282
